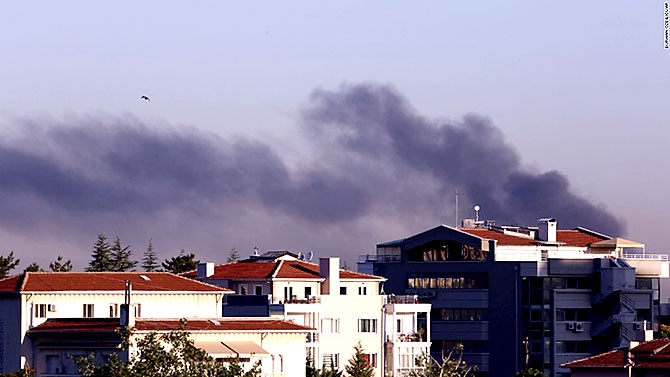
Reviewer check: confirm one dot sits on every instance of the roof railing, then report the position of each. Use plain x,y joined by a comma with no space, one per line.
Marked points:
662,257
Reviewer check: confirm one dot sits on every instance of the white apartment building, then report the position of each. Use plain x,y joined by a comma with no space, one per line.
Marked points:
30,299
343,307
278,345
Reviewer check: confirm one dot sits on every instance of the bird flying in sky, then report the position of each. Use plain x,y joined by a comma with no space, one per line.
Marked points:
146,98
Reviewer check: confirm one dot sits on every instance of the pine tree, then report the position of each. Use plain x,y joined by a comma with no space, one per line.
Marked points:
34,267
7,264
59,266
119,257
182,263
358,365
101,255
150,260
234,256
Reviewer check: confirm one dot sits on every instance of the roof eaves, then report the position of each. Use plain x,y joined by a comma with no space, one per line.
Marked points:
593,233
277,268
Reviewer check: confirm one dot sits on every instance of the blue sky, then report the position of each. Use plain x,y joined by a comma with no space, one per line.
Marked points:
576,88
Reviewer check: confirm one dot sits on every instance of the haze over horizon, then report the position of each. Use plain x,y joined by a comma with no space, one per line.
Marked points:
281,129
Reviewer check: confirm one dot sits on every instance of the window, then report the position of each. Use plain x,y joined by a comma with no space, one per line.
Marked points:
367,325
244,289
138,310
330,360
113,310
330,325
459,314
41,310
343,291
53,364
362,291
398,325
572,346
258,289
288,294
308,291
88,311
371,359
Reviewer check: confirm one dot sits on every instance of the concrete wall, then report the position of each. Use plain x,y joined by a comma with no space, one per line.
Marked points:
10,333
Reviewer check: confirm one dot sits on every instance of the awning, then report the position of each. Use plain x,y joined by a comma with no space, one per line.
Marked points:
232,349
246,348
215,349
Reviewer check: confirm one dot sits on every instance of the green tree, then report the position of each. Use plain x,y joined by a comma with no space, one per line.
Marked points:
166,355
59,266
27,372
452,365
7,264
530,372
358,366
234,256
150,260
34,267
101,257
181,263
119,257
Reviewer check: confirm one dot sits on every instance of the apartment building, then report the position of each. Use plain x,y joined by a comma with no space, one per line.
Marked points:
519,297
343,307
32,298
278,346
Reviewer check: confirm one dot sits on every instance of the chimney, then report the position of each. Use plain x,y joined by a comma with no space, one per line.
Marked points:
205,270
547,229
329,268
127,317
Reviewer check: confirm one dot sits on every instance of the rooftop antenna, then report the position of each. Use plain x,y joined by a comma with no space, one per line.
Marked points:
477,208
456,224
256,250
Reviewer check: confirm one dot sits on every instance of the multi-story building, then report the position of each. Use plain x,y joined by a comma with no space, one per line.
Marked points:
30,299
343,307
277,345
518,297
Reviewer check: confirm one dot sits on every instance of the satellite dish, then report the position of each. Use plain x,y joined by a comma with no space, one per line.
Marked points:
300,256
309,256
477,208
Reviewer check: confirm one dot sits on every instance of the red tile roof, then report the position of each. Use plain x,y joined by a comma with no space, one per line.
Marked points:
653,354
11,284
575,237
280,269
103,281
55,325
611,359
222,324
81,325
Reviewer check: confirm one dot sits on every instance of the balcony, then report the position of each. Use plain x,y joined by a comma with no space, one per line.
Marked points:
372,258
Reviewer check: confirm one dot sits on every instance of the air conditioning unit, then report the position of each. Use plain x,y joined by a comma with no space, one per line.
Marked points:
570,326
579,326
51,307
639,326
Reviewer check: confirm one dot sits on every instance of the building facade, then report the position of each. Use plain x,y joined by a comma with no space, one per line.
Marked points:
30,299
525,297
343,307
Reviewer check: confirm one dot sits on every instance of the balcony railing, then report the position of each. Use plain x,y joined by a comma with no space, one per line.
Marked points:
379,258
305,300
662,257
402,299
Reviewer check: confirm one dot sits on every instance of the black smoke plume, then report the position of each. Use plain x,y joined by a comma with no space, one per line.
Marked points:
378,171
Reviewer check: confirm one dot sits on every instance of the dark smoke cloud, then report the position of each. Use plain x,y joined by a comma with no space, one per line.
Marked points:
375,161
375,122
